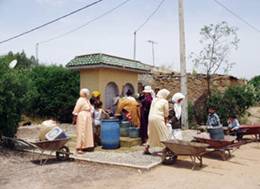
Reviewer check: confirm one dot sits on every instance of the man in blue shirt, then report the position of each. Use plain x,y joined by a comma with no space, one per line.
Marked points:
213,118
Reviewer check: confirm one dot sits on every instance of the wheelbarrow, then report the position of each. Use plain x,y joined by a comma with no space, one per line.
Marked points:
58,146
175,148
250,130
223,146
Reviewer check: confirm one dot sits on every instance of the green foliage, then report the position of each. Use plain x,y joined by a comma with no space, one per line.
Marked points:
54,92
23,62
191,116
46,91
256,83
235,100
12,92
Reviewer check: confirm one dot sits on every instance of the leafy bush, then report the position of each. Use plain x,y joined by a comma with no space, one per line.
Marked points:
256,83
235,100
12,93
53,93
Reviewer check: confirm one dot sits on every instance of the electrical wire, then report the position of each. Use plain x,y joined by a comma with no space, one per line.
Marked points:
52,21
86,24
150,16
237,16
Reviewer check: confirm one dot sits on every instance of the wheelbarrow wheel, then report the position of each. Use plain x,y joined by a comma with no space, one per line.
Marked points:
168,157
63,153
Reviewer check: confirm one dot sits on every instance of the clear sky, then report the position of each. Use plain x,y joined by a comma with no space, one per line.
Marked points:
113,34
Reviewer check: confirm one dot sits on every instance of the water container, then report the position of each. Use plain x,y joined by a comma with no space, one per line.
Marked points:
55,133
110,133
124,128
133,132
125,124
216,133
124,131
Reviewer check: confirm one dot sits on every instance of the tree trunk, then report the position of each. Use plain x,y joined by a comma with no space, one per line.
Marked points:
208,85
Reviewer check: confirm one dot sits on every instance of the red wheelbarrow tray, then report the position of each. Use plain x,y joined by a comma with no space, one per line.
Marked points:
250,129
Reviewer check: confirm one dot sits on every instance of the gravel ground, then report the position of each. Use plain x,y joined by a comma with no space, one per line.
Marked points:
127,156
241,171
135,158
18,171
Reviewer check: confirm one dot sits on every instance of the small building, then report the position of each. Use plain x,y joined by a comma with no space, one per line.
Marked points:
111,75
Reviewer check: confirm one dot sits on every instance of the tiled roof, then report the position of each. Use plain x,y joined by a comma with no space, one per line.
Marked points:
104,60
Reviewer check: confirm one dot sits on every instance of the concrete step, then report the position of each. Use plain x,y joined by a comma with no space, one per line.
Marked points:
129,142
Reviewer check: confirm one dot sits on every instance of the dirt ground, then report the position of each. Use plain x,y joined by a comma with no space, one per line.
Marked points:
254,117
241,171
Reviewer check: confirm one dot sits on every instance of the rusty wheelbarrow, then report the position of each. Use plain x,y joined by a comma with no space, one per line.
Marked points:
58,146
175,148
250,130
224,146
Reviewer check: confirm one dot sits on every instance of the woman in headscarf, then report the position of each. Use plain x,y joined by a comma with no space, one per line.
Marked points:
177,99
83,120
146,100
157,129
175,115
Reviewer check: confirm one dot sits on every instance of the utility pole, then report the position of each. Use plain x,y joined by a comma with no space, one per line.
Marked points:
37,52
184,118
135,45
153,54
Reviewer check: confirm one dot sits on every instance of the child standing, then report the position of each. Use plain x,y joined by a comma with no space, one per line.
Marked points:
98,114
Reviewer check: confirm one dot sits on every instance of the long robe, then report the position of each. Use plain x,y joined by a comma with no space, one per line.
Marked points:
145,109
157,129
132,107
84,124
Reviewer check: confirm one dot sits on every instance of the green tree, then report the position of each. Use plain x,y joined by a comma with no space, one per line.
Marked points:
13,89
235,100
256,83
23,62
54,92
217,42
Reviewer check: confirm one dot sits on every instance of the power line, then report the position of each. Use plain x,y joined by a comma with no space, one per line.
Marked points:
87,23
150,16
52,21
144,23
237,16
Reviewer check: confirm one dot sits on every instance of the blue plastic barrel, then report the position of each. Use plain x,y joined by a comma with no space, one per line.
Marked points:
110,133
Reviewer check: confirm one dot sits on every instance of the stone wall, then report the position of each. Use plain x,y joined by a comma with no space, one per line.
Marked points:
197,83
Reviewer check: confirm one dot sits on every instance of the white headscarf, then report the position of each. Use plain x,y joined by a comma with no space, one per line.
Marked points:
177,106
163,93
85,91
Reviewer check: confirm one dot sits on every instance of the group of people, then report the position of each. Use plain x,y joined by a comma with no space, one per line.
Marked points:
233,123
149,111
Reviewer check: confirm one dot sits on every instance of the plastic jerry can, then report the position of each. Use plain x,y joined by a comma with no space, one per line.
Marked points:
55,133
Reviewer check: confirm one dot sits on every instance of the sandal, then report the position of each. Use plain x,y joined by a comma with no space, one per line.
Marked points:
146,152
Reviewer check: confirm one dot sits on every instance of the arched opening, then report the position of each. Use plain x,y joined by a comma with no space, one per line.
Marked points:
111,92
128,86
